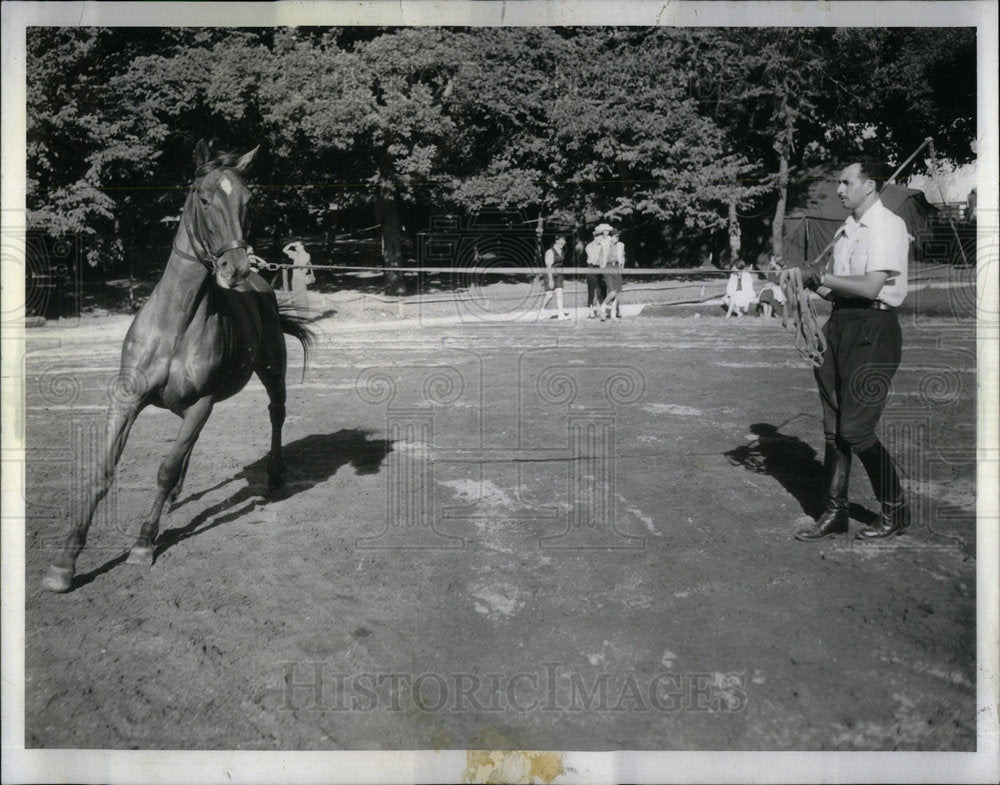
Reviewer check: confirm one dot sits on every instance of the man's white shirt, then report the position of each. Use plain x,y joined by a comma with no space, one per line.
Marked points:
597,252
879,242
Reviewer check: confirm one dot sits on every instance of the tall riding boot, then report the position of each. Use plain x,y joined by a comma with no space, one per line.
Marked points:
894,517
836,476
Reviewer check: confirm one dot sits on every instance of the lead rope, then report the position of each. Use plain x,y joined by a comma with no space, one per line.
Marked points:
262,264
798,312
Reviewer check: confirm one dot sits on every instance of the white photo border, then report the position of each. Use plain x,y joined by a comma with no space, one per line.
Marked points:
114,766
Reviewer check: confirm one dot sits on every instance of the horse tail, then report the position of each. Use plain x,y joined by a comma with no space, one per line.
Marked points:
297,326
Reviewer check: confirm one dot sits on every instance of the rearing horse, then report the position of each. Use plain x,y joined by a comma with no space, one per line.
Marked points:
210,323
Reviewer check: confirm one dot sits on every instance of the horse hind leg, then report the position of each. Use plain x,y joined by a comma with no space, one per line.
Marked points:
121,417
168,477
275,462
272,377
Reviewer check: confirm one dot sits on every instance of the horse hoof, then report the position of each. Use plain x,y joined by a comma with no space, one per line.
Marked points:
57,579
143,557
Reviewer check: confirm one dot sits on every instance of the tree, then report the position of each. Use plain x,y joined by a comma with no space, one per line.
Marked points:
601,123
673,132
198,83
382,110
80,147
766,86
903,85
113,117
798,99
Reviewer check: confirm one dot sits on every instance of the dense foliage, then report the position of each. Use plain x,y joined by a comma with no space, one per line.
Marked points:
682,136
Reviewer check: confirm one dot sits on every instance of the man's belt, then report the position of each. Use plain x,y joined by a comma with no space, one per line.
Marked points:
860,302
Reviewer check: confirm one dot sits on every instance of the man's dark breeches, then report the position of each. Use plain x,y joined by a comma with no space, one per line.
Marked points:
862,355
595,287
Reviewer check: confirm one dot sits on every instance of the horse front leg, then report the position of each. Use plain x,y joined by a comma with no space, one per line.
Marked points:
175,494
168,476
121,416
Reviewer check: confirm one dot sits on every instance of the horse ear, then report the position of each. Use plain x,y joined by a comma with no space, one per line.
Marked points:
244,162
202,153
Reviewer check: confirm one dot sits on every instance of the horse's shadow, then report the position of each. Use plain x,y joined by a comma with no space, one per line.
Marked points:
794,464
308,462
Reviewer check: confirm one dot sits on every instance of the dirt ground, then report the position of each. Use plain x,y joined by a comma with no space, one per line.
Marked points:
546,535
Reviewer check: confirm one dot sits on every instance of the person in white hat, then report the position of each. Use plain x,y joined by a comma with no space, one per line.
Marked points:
598,251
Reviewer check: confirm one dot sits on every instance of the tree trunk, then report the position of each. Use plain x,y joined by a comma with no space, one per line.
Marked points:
783,144
130,253
387,210
777,228
735,236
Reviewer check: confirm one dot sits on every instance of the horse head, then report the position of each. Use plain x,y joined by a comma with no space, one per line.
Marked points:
215,215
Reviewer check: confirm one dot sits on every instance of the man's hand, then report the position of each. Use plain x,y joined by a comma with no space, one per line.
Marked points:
811,275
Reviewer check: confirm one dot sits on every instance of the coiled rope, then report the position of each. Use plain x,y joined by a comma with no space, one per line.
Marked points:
798,312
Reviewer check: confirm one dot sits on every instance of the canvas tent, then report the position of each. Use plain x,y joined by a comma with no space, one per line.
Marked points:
808,231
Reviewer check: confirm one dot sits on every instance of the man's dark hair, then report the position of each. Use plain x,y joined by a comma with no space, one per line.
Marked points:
872,169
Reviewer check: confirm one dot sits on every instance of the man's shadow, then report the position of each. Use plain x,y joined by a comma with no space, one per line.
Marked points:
794,464
308,462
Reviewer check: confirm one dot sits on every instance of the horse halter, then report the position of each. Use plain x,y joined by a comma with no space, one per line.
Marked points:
204,254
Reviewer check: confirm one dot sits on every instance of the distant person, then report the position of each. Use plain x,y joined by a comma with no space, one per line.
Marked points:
554,260
613,275
740,294
597,257
302,274
770,299
970,207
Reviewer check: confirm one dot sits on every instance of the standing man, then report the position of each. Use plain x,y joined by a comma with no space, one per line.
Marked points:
554,258
597,257
864,344
613,275
302,274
